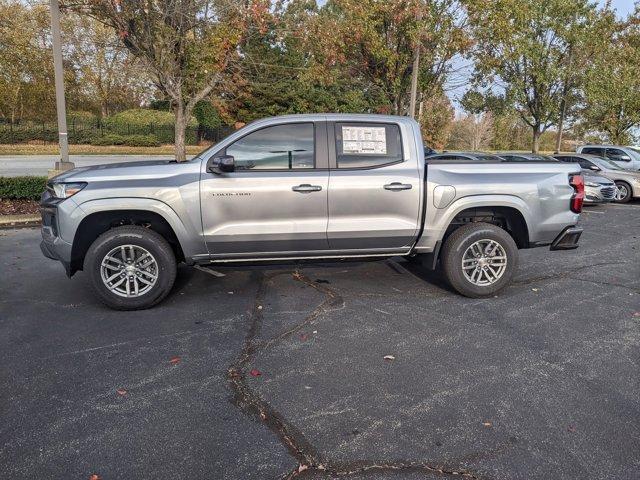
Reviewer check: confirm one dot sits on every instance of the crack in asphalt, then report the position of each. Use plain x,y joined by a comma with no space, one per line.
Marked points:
247,400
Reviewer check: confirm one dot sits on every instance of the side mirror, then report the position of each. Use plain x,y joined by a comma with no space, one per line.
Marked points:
624,158
594,168
221,164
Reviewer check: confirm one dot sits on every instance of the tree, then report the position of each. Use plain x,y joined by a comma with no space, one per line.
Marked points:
277,73
612,89
109,75
189,47
436,120
26,70
373,43
523,48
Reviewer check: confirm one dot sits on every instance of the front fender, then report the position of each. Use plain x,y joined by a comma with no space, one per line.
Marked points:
189,236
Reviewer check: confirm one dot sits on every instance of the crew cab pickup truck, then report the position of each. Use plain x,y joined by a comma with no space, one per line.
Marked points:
306,187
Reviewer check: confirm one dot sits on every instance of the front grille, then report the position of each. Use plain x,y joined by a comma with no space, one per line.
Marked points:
608,192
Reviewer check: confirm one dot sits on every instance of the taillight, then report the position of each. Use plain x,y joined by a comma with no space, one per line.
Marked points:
577,182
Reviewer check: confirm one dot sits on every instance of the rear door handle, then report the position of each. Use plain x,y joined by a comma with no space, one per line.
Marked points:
396,186
306,188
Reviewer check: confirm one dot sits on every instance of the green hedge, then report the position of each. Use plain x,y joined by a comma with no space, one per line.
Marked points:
129,140
29,134
22,188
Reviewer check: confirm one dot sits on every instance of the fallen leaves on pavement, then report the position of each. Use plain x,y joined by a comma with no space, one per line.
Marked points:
255,372
174,360
121,391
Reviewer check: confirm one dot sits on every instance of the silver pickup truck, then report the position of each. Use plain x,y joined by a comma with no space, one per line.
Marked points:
306,187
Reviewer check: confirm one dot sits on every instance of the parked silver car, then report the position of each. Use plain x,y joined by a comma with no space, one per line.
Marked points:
598,189
623,156
627,181
525,157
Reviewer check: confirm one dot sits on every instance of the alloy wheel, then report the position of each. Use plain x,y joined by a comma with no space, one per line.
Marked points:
484,262
129,271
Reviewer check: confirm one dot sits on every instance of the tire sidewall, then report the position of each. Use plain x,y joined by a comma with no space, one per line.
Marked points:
455,250
150,241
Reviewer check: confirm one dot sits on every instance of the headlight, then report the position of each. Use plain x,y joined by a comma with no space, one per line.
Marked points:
66,190
591,184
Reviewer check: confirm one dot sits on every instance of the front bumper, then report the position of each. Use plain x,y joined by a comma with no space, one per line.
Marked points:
567,240
52,246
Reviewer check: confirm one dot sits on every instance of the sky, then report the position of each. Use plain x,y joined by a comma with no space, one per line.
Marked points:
623,7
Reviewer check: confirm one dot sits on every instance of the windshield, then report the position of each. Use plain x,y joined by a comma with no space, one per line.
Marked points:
606,164
635,150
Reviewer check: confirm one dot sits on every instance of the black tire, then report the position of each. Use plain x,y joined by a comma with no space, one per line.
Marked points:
142,237
457,244
627,187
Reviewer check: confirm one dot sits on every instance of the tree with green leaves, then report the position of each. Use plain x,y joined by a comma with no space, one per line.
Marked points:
189,47
373,43
26,71
523,50
612,89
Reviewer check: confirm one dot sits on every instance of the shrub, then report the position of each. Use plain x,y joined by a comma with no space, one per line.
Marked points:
141,117
109,139
141,141
129,140
22,188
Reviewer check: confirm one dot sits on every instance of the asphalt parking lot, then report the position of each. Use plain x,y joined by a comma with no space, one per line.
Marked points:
281,373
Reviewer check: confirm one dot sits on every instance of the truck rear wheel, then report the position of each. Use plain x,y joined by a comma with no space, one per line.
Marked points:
131,267
479,259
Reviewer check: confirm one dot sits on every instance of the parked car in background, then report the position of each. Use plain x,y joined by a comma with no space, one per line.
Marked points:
465,156
598,189
307,187
625,157
627,181
525,157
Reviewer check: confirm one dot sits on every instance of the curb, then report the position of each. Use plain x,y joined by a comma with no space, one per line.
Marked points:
16,221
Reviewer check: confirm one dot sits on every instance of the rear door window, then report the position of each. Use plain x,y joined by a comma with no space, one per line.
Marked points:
594,151
367,145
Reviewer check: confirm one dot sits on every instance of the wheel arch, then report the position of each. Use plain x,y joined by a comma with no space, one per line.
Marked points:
95,224
509,218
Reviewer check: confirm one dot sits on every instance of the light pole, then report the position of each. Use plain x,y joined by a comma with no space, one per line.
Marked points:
64,163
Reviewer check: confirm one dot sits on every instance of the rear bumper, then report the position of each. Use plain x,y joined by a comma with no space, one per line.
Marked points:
567,240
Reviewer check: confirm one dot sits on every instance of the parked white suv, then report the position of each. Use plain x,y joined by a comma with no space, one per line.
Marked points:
625,157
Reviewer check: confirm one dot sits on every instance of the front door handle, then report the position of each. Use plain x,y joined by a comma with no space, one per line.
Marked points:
306,188
397,186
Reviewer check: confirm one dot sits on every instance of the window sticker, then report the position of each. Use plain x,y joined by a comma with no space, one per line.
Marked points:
364,140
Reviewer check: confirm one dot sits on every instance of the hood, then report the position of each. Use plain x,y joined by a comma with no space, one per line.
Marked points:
125,170
589,176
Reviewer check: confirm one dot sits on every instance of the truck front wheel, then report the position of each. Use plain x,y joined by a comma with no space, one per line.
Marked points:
479,259
131,267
